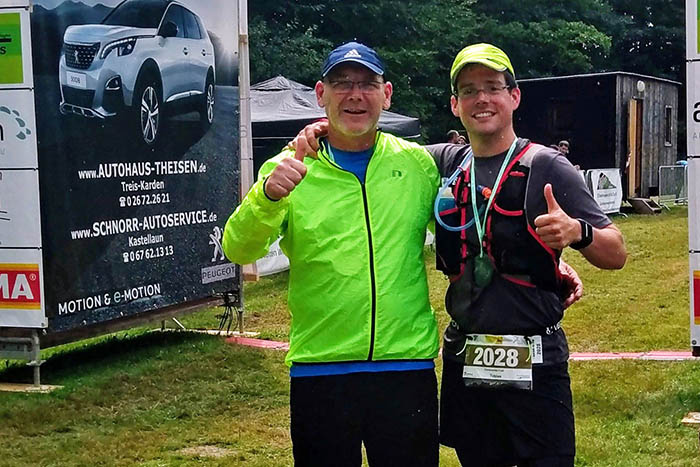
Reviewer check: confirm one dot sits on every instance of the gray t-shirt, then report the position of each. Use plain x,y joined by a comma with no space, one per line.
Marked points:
503,306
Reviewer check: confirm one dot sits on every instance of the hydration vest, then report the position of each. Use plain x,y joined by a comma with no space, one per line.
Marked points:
510,241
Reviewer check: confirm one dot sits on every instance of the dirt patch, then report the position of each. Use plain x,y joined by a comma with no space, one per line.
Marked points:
215,452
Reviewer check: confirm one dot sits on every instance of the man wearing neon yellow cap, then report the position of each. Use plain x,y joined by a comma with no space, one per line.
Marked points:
506,397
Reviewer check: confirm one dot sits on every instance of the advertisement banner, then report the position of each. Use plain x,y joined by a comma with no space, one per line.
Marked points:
606,186
137,128
20,225
15,48
21,288
17,129
693,138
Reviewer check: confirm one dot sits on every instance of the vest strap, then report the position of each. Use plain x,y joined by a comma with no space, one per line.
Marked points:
548,331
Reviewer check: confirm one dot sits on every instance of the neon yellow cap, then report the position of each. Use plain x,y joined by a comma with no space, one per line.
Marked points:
483,54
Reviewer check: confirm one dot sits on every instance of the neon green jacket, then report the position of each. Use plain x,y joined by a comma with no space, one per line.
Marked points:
358,289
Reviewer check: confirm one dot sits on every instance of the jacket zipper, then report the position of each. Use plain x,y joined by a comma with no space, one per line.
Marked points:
371,274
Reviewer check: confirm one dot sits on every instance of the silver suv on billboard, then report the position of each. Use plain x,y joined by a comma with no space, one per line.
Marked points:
145,57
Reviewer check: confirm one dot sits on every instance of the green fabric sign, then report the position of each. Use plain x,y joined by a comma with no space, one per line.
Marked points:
10,49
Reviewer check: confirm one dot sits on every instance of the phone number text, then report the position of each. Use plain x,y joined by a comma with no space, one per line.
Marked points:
147,253
144,200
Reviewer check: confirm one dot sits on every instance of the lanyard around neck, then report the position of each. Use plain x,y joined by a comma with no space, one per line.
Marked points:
481,225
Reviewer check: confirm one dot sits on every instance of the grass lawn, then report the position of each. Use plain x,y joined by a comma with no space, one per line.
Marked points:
172,398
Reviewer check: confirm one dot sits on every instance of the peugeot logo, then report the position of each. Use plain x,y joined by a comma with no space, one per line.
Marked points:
76,55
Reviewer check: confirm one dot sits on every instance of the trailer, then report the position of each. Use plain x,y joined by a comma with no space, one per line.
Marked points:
119,165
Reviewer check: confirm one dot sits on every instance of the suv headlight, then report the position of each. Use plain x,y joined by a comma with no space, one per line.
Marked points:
123,47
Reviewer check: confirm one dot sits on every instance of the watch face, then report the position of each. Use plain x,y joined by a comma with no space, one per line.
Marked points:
586,236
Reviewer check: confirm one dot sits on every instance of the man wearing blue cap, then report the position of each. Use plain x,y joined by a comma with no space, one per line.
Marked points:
363,335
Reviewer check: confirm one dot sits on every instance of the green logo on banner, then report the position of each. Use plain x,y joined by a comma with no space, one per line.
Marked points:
10,49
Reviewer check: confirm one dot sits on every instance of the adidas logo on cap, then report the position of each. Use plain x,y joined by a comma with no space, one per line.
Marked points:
353,52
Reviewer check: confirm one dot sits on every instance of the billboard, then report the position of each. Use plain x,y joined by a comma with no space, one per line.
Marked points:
21,285
137,151
693,140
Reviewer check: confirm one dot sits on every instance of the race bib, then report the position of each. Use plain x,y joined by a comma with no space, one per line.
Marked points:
499,361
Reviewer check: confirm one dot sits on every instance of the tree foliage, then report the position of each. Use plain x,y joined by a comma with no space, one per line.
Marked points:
418,40
653,41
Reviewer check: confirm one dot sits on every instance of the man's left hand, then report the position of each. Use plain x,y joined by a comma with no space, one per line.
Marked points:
571,284
306,142
556,229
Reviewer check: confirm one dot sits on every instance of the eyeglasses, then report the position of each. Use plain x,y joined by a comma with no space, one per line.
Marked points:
469,92
346,85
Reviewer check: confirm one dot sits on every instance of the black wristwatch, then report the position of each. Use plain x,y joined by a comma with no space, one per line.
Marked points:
586,236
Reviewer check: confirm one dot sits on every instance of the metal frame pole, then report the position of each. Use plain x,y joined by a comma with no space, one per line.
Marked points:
250,271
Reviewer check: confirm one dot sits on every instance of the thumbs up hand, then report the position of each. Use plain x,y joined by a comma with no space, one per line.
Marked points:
289,173
285,177
556,229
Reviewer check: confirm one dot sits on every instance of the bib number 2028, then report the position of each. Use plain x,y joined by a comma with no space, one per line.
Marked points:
498,361
497,357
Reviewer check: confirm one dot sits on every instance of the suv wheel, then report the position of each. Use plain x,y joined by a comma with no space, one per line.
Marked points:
206,110
148,112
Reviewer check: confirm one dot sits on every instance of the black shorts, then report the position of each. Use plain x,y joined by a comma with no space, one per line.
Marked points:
494,426
394,413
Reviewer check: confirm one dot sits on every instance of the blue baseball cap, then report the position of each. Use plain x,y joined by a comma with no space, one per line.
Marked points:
354,52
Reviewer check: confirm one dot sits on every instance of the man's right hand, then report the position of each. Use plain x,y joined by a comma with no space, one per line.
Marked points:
285,177
289,173
306,142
